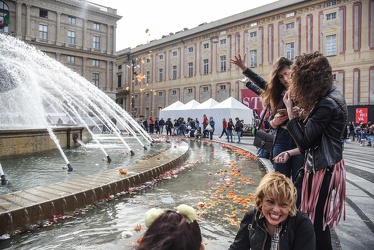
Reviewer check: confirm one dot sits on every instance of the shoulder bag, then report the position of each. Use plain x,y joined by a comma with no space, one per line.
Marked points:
263,139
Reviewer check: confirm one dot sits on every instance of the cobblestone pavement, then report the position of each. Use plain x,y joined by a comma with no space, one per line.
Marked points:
357,230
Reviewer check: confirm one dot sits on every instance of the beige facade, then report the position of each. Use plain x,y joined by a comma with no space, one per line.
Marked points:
79,34
195,63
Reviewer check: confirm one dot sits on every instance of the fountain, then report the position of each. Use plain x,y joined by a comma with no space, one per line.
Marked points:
33,84
42,102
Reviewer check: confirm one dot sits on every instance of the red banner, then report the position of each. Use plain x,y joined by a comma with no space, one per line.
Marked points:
361,115
252,100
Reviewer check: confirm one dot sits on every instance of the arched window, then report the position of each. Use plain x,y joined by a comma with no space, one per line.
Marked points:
4,17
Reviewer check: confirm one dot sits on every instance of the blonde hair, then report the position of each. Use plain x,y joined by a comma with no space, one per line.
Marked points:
279,187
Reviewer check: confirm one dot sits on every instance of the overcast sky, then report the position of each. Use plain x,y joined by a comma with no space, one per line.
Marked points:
161,17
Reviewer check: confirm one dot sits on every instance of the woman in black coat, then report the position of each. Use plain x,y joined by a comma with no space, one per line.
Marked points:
275,223
320,137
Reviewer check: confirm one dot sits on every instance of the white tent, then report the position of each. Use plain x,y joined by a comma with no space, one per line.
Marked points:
174,106
230,108
186,110
203,109
171,111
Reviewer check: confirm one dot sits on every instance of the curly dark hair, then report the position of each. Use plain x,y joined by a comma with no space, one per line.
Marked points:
274,88
171,231
311,76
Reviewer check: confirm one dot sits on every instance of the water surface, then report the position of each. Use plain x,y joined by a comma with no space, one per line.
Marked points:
213,174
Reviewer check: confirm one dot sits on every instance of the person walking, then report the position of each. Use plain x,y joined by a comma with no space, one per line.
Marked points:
229,130
169,126
211,131
151,125
205,123
157,126
145,125
224,127
161,124
238,128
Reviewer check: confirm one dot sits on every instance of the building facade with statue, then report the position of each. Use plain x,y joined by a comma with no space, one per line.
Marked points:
79,34
194,64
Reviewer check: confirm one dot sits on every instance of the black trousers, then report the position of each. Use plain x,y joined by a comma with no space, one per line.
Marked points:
223,132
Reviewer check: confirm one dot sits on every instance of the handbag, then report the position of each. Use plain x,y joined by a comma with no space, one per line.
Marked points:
263,139
208,128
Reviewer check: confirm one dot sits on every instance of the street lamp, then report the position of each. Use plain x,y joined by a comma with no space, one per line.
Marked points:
134,74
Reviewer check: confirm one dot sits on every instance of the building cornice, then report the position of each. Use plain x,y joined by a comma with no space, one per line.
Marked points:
214,25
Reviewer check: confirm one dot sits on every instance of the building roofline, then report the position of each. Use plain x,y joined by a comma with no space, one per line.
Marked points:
280,4
93,7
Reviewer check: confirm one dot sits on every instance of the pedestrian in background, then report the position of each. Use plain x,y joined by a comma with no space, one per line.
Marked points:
151,125
205,123
161,123
229,130
211,131
238,128
169,125
224,127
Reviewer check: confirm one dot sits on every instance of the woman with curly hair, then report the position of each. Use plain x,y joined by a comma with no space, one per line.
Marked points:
272,93
319,136
275,223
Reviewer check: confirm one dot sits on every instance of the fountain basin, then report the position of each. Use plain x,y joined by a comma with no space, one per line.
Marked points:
31,206
26,141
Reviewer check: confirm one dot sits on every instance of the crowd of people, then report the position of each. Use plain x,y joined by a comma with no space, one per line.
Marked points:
361,132
297,205
193,128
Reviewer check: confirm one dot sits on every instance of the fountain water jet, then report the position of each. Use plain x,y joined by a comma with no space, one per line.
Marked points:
30,81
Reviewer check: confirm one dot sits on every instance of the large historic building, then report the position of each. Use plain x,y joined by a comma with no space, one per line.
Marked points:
79,34
195,63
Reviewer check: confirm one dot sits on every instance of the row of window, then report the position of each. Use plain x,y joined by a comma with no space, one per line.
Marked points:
291,25
190,90
331,50
71,60
190,49
71,19
43,35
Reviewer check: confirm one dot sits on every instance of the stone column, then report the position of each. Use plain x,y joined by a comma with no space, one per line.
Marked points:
84,35
114,79
28,26
18,19
108,40
107,76
114,44
58,24
84,59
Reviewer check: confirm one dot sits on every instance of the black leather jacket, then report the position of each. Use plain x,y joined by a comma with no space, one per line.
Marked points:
297,233
321,135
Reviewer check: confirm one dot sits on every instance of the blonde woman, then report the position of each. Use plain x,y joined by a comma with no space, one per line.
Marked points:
275,223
